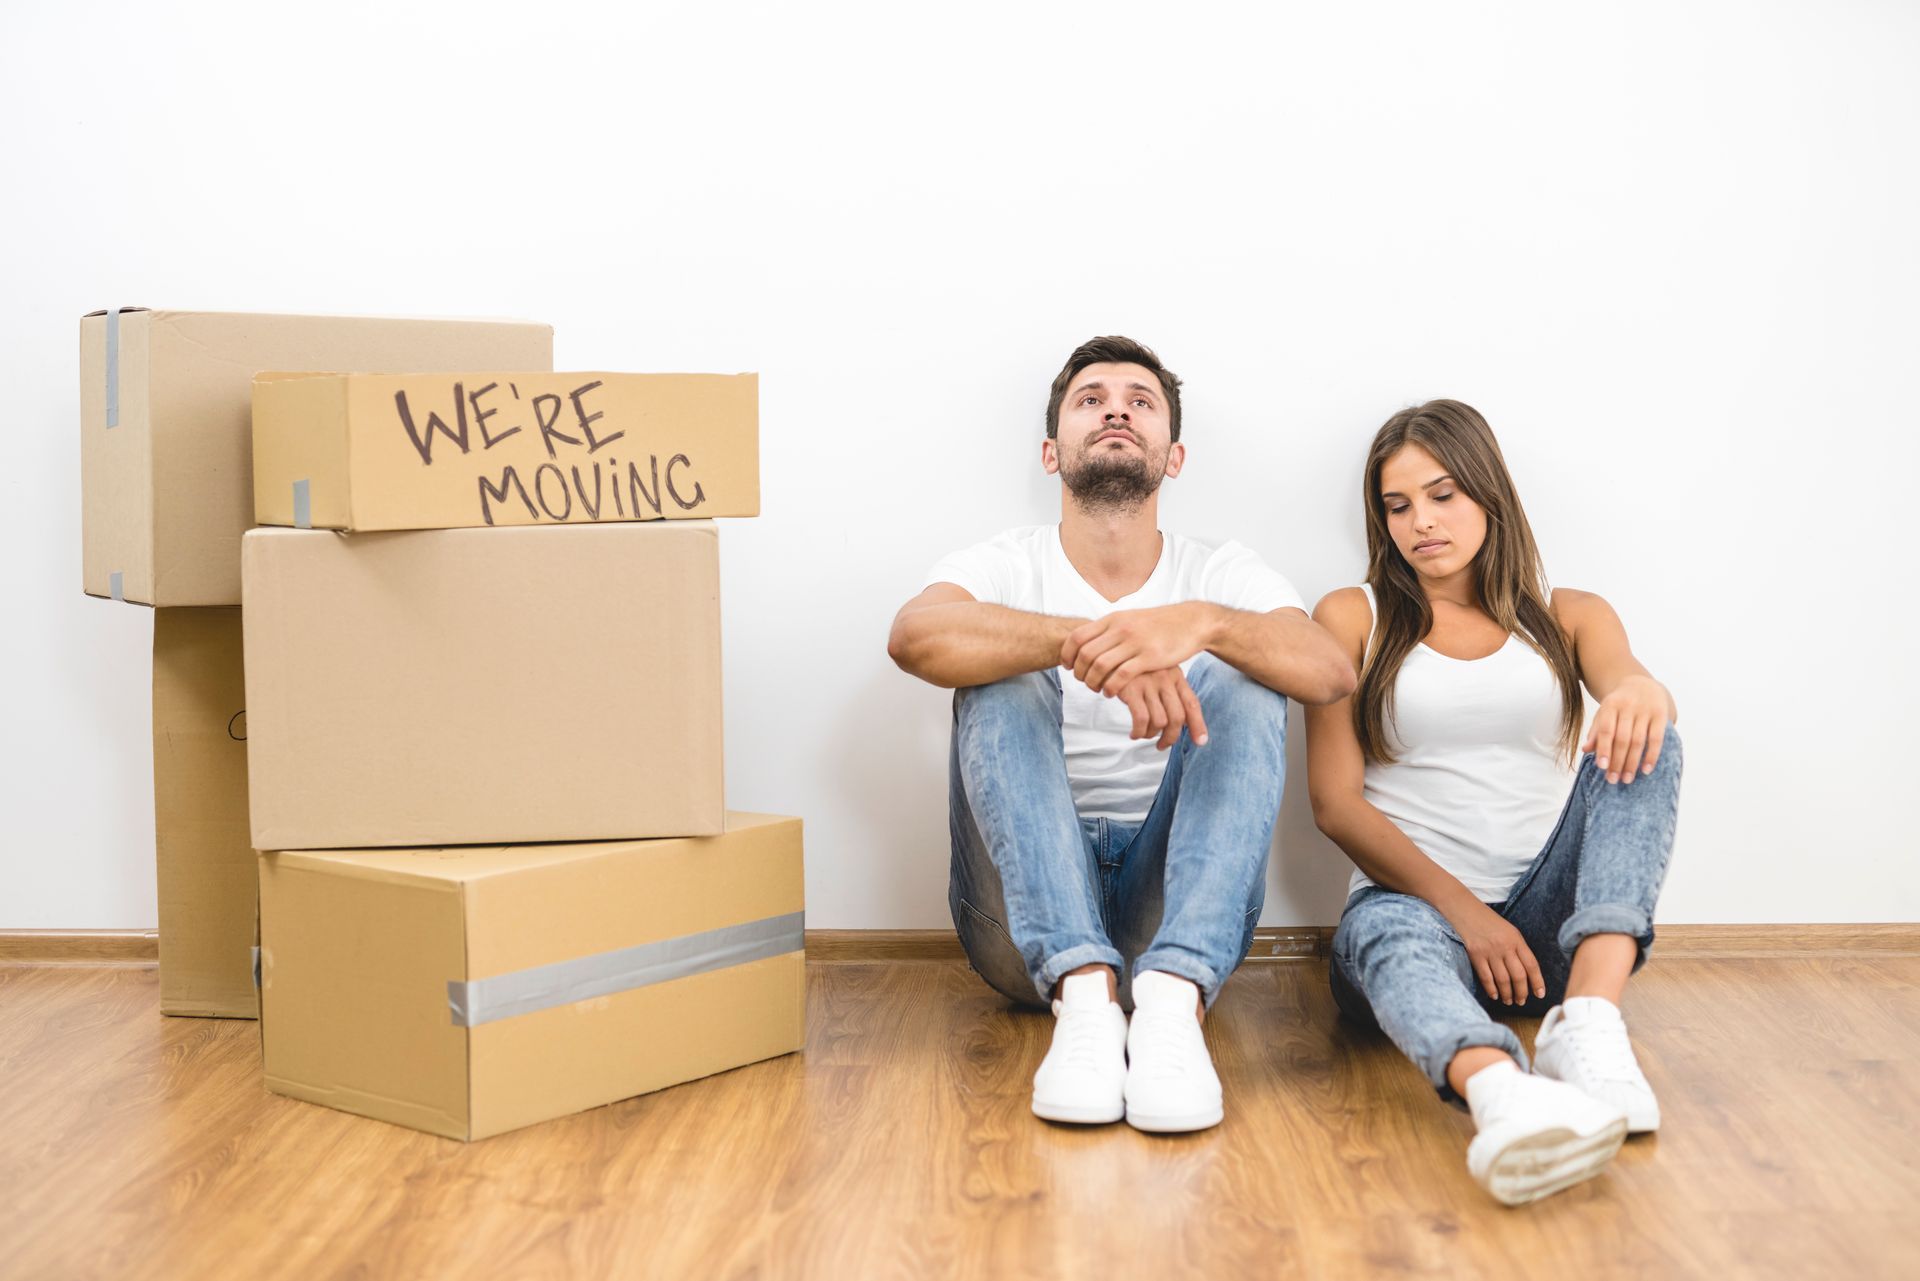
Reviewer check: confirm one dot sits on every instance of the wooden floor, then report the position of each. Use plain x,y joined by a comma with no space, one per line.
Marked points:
900,1145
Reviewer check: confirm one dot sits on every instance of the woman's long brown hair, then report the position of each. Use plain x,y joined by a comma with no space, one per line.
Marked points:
1507,570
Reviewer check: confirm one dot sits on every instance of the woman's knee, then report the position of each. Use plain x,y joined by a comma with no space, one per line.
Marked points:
1672,758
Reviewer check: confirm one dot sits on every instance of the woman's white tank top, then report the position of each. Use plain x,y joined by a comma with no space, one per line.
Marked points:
1478,781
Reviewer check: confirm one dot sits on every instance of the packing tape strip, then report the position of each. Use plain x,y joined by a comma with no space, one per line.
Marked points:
113,367
542,987
302,505
115,585
256,967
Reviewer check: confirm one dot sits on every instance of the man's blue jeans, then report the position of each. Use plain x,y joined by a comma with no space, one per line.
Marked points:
1037,891
1397,961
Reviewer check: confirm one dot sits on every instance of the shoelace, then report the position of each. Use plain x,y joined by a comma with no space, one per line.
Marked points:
1604,1053
1080,1038
1165,1041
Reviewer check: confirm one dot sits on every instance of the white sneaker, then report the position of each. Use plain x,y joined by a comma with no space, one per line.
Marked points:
1536,1135
1171,1084
1083,1078
1584,1043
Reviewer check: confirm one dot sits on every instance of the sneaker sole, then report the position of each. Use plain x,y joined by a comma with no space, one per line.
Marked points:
1539,1165
1176,1124
1078,1113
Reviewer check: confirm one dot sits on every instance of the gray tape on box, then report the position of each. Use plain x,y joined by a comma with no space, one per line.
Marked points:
114,586
113,367
542,987
302,505
256,967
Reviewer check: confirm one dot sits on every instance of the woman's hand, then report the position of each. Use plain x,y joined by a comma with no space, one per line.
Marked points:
1629,728
1500,955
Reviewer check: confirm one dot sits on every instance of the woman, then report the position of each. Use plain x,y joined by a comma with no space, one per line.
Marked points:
1492,873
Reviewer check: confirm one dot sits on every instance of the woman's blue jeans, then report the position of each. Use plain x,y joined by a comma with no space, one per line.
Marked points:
1037,891
1397,961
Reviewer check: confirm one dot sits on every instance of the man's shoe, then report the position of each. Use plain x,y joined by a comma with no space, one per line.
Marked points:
1536,1135
1083,1078
1171,1084
1584,1043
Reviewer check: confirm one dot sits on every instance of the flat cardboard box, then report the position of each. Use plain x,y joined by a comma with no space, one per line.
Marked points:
205,862
467,992
165,444
482,686
441,451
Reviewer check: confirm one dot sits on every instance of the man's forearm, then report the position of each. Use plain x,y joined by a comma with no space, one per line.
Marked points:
1292,655
966,643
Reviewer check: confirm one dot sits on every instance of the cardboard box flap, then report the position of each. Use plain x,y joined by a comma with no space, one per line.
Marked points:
620,895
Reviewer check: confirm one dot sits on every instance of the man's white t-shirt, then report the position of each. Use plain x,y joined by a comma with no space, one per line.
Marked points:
1113,776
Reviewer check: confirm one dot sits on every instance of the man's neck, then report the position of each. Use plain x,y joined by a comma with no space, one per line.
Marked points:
1114,550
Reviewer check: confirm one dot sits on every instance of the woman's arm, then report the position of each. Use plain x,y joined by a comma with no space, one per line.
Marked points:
1635,709
1336,774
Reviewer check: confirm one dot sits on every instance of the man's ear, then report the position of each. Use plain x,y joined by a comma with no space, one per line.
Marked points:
1176,458
1050,457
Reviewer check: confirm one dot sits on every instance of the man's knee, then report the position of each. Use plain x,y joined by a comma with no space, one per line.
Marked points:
1029,693
1229,695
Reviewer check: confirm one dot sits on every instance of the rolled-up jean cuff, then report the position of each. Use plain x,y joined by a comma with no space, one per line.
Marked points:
1609,918
1060,964
1181,966
1493,1035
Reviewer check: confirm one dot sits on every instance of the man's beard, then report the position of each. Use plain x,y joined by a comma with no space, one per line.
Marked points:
1105,480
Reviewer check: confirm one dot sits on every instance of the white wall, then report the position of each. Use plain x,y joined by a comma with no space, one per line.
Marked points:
1668,249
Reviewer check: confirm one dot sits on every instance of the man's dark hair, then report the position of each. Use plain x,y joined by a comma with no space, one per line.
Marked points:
1113,350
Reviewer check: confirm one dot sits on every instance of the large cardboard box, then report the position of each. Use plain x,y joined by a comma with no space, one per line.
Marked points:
205,862
165,447
440,451
469,686
471,991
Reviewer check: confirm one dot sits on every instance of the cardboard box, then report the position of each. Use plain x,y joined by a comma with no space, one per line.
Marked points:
165,446
468,686
441,451
467,992
206,865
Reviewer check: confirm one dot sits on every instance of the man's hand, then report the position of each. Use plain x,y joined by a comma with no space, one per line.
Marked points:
1109,653
1163,704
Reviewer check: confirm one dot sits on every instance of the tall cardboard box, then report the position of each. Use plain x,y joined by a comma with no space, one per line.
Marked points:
481,686
205,863
471,991
165,437
441,451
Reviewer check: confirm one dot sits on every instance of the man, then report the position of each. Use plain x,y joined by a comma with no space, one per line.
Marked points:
1090,869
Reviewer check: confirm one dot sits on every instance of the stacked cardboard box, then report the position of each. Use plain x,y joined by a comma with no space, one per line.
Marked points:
166,485
498,879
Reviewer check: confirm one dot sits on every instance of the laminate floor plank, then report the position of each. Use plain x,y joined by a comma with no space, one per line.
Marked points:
900,1144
